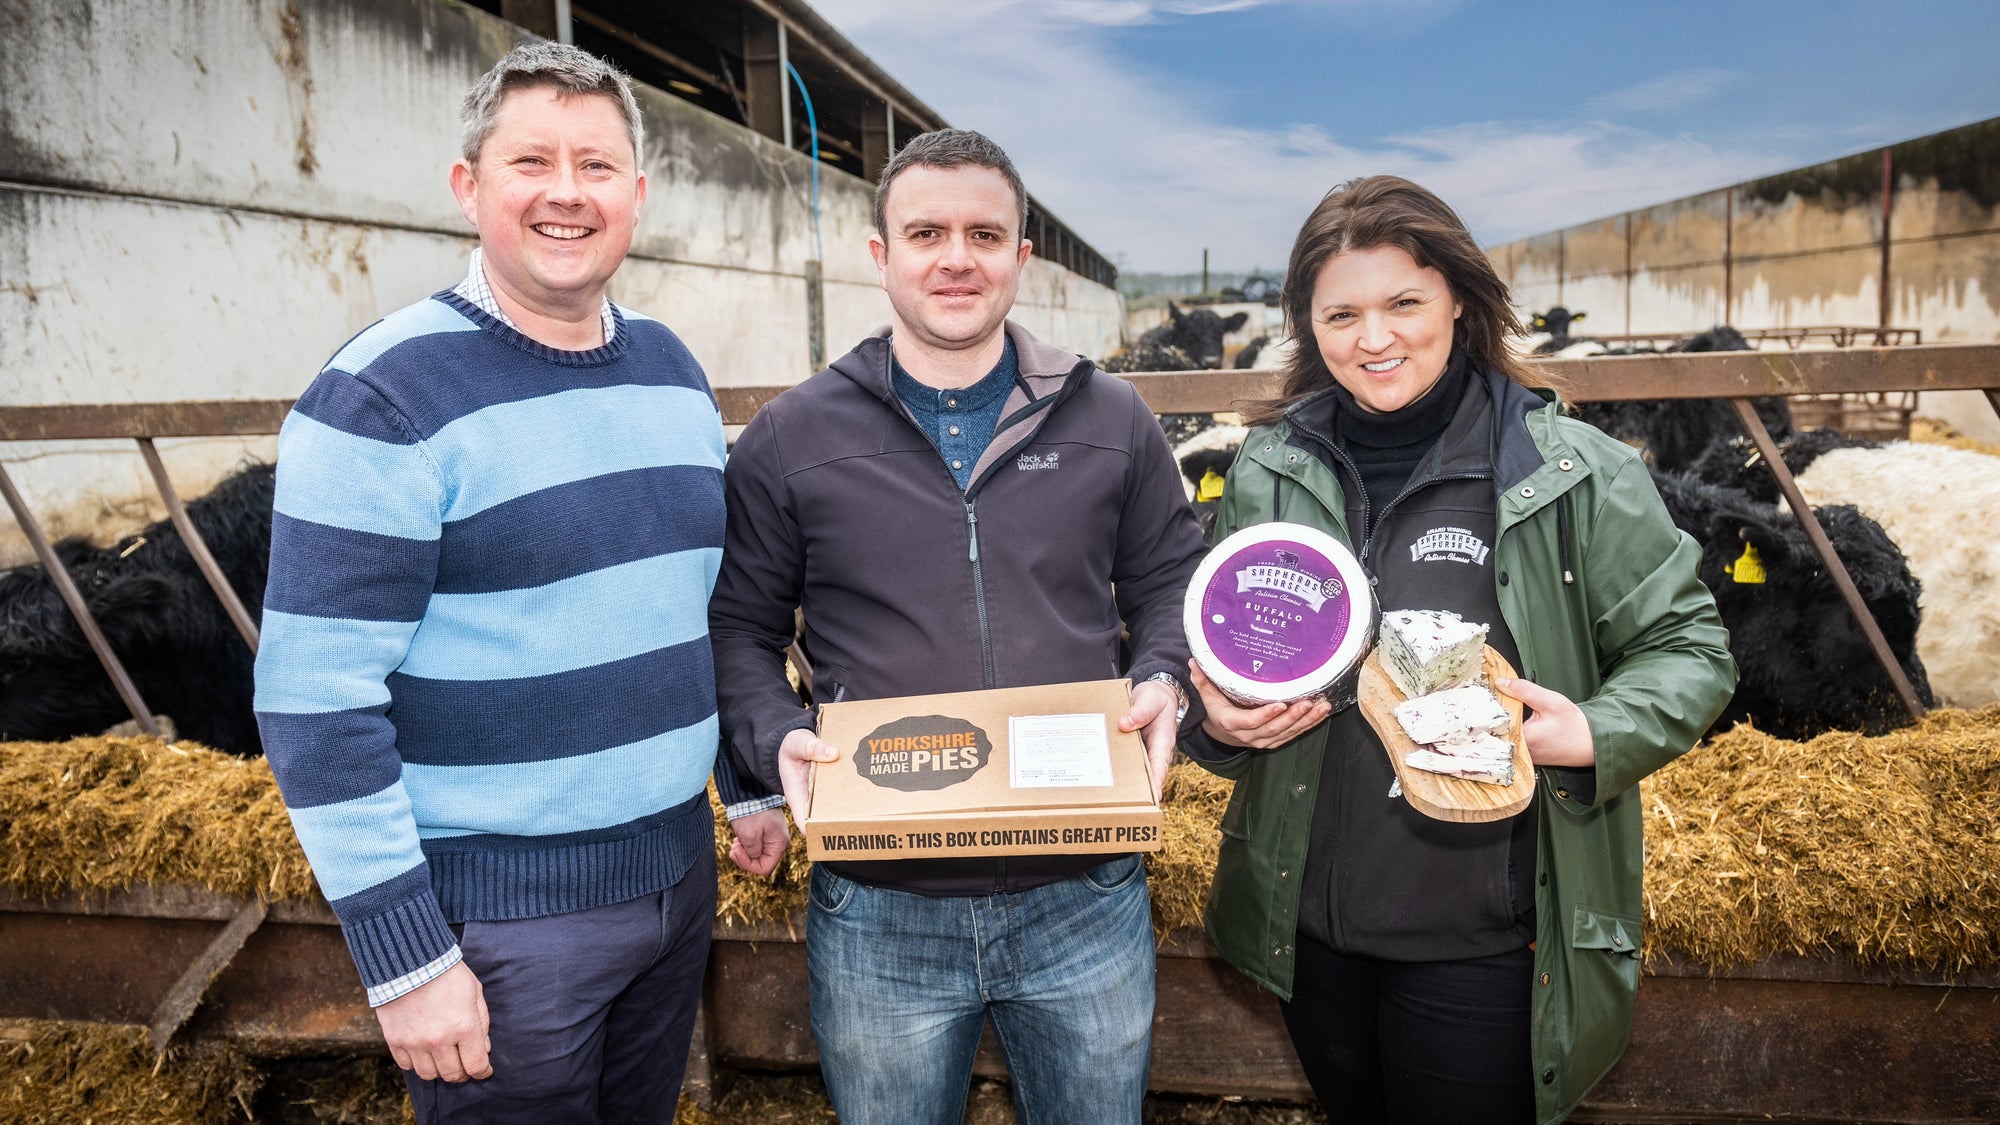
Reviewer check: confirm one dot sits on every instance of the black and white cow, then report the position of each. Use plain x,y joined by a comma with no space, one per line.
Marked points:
159,616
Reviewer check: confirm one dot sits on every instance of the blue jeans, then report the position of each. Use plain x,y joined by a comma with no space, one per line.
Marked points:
901,984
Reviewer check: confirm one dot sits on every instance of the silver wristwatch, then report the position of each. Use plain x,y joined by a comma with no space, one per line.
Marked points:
1180,696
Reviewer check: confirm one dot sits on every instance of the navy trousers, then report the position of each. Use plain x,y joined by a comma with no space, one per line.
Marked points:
592,1012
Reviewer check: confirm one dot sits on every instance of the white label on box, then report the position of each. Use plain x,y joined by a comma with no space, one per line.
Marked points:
1059,751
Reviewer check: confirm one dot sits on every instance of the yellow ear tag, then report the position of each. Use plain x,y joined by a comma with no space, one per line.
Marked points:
1748,570
1210,487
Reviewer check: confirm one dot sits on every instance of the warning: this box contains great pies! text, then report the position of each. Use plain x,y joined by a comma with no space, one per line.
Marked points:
1015,771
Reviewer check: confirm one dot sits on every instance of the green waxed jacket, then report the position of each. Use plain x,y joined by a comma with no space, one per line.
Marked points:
1636,641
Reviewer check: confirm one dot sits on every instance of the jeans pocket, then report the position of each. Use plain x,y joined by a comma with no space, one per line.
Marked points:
830,893
1115,876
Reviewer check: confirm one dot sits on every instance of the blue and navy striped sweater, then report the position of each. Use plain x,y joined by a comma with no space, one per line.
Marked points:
485,683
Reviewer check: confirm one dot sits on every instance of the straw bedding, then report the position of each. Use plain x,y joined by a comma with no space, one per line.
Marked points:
77,1073
1885,849
100,814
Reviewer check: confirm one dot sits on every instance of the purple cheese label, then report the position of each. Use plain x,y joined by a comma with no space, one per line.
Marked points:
1275,612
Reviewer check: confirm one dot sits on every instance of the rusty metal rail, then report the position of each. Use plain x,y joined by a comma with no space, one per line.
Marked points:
1796,1038
1838,335
1733,375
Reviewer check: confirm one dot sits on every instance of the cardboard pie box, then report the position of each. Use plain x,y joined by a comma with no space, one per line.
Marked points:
1014,771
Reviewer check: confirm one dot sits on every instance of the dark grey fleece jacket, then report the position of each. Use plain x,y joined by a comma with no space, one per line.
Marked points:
1074,525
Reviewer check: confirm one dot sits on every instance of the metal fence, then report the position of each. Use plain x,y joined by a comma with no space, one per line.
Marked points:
1737,376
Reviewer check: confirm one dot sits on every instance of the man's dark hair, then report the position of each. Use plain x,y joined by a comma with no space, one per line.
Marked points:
948,148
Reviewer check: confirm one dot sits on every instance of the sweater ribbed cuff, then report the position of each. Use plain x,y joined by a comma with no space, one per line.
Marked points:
400,942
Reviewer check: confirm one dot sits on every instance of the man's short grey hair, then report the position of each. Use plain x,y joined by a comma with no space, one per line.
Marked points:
948,148
560,66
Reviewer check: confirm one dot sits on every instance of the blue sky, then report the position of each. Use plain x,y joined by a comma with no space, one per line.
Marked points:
1158,127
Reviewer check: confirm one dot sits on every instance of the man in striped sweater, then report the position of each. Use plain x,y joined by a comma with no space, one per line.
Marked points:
485,684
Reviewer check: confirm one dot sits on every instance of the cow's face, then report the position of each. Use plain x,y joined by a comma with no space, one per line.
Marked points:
1199,333
1803,662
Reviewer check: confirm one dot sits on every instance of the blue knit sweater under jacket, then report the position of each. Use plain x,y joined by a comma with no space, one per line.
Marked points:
485,684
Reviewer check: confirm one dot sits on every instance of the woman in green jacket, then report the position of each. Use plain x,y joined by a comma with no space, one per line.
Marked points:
1434,971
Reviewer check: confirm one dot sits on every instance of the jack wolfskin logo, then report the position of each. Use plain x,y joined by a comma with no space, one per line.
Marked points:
1449,544
1029,461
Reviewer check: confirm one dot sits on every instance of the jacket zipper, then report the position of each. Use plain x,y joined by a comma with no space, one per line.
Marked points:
1367,542
979,594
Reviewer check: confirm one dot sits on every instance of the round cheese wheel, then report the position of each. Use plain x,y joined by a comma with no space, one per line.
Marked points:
1279,611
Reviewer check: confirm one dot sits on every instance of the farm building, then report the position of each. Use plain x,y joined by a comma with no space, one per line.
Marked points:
1904,237
236,189
1815,910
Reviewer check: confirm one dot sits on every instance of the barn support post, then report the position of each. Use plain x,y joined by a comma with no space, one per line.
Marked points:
1754,426
1887,303
815,315
203,558
120,679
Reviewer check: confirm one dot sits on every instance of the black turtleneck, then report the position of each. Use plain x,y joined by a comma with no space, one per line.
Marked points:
1385,448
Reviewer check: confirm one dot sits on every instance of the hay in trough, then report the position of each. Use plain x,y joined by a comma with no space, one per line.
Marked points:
1885,849
73,1073
1941,432
103,814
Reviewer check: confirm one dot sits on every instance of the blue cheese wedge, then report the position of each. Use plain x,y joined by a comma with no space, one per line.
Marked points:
1427,650
1488,759
1453,715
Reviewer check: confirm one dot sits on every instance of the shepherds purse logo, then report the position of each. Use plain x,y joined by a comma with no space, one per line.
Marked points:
1286,580
1449,544
923,752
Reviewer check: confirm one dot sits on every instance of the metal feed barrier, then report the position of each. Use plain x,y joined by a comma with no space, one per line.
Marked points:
1805,1039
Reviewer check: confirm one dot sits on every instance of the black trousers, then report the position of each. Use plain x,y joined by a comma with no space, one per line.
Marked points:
1414,1042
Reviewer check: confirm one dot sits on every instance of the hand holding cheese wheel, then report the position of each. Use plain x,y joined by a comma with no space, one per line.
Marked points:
1279,612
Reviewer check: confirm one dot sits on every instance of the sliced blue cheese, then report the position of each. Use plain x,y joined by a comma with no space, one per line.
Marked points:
1453,715
1427,650
1483,758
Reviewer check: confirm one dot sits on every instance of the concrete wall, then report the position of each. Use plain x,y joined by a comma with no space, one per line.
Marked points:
1798,249
205,198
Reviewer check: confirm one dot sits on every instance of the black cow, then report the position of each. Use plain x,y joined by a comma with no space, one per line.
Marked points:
1734,462
1198,332
1675,432
1803,664
1556,323
159,616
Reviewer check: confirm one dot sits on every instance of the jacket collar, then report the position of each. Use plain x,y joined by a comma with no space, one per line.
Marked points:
1048,376
1513,455
1045,368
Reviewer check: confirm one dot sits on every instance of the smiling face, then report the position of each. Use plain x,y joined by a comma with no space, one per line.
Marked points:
1383,324
952,256
555,197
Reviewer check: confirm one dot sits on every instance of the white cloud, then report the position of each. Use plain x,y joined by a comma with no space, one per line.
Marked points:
1145,173
1678,90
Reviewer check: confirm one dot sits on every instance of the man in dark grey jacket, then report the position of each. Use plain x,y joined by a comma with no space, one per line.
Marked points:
956,505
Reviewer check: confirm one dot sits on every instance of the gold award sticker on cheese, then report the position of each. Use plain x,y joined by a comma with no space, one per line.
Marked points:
1279,611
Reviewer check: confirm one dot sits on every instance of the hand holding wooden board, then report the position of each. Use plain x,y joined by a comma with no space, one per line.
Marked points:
1441,796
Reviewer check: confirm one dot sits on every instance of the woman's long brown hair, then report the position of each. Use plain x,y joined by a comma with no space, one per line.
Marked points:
1378,211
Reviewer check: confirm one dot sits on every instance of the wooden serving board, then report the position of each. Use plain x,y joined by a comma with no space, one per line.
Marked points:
1436,795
